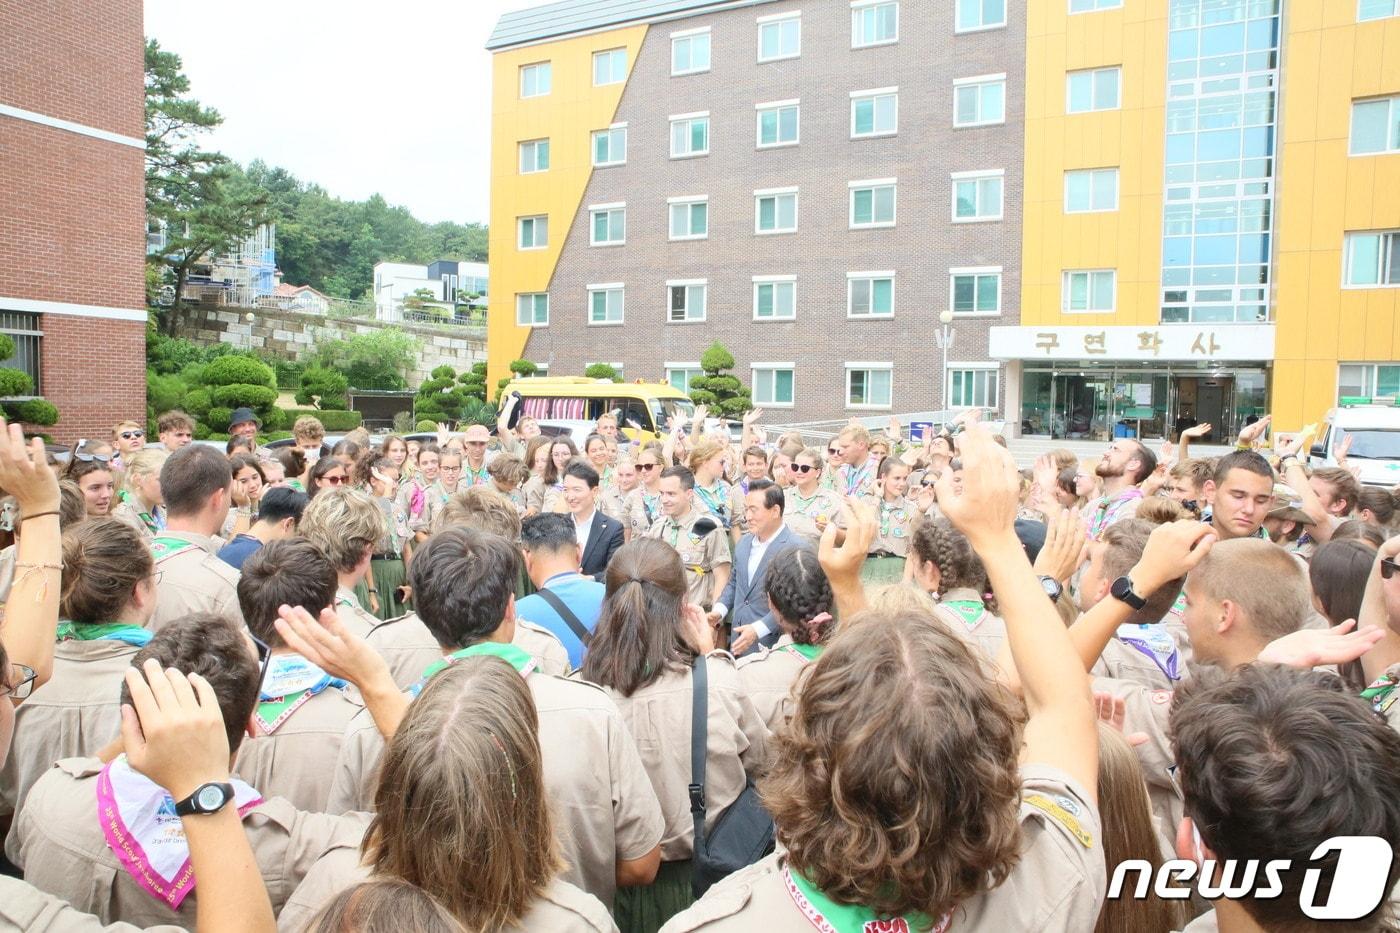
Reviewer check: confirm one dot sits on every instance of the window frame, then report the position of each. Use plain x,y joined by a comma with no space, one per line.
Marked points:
1384,250
534,220
548,66
873,95
869,367
872,277
1093,174
1394,11
1066,276
976,272
534,144
608,288
690,368
857,8
979,175
533,309
872,185
610,52
772,369
978,82
687,201
959,30
609,209
777,106
688,284
593,145
994,371
779,20
1091,72
689,118
1392,117
774,280
689,35
760,195
1098,7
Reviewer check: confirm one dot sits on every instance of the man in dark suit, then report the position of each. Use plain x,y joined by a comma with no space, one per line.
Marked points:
746,593
598,535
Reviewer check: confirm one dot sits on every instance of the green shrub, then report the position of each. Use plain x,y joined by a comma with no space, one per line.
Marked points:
602,371
164,393
217,419
33,411
197,403
523,368
403,422
271,436
324,388
7,346
335,421
274,419
243,395
235,370
289,374
15,382
424,425
444,372
201,431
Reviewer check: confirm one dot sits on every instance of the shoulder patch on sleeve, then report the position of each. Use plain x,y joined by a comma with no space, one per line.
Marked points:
1063,811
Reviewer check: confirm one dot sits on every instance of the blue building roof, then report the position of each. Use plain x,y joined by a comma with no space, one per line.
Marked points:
570,16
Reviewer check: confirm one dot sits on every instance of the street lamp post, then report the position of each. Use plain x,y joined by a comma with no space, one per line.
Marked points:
945,341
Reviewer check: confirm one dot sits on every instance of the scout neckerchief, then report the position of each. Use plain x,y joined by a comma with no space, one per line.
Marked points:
517,657
887,511
1154,641
828,916
474,477
290,682
1382,693
810,652
154,524
138,820
124,632
649,503
440,491
804,503
715,500
970,611
1108,508
856,478
163,547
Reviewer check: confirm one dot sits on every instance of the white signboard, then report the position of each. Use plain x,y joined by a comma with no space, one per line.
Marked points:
1165,342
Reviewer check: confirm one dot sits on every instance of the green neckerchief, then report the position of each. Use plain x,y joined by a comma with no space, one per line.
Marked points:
473,477
810,652
1380,691
162,546
969,610
98,631
848,918
146,518
519,658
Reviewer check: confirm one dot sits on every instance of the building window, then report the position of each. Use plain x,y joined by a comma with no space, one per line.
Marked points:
977,196
972,388
874,113
607,224
774,297
690,135
872,203
687,301
1091,190
1373,260
1368,380
777,124
679,375
534,156
1089,290
975,291
610,146
1092,89
533,232
874,23
1375,126
23,328
775,210
690,218
979,101
980,14
690,51
779,37
532,309
535,79
868,385
1089,6
869,294
609,67
605,304
773,384
1375,9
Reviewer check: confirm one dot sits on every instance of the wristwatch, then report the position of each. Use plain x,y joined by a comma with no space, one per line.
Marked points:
1052,588
1122,590
207,798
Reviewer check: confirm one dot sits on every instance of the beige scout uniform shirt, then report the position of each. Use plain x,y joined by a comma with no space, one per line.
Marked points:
561,908
352,615
1121,661
896,527
612,503
58,841
77,712
700,554
804,514
26,909
410,649
767,678
988,632
641,510
127,512
194,580
296,761
1148,711
659,718
604,806
1058,885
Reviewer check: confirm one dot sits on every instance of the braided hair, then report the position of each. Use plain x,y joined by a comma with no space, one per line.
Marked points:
949,550
800,593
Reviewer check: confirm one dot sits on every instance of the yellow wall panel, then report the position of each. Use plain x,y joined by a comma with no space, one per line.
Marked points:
566,116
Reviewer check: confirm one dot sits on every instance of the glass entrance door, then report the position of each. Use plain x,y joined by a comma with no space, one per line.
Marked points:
1082,406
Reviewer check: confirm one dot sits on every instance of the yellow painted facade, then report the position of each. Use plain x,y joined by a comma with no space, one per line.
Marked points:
1130,138
1329,60
566,117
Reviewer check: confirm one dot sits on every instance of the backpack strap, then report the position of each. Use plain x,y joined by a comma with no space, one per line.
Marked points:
699,722
567,614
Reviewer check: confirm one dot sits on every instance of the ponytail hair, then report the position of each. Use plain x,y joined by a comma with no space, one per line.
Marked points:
639,633
103,561
801,595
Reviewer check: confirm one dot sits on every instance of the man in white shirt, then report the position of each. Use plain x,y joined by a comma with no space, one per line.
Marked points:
599,537
752,622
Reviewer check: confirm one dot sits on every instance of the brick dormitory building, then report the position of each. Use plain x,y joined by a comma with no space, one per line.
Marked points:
72,207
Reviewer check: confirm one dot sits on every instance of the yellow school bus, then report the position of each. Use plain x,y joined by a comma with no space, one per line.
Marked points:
642,408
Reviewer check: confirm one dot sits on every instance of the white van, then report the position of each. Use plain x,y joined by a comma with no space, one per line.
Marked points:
1375,442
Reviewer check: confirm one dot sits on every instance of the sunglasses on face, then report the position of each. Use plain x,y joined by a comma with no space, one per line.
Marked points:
334,480
646,467
132,435
802,468
1388,568
21,682
833,451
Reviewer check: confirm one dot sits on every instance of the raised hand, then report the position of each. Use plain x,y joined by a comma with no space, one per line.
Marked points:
753,416
1172,550
1252,433
1307,648
330,645
1196,431
1066,541
985,507
25,472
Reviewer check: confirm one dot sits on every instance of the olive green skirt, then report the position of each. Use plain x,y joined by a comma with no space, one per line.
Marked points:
881,571
646,909
388,576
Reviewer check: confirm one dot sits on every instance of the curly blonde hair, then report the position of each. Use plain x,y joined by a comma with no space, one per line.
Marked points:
895,714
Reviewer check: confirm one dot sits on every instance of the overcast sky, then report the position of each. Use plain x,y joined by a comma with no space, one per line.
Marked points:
393,98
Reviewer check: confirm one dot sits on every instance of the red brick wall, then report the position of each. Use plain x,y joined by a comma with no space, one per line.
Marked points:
94,370
78,60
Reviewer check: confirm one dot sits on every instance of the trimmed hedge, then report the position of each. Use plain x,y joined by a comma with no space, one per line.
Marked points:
15,382
334,420
33,411
242,394
235,370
